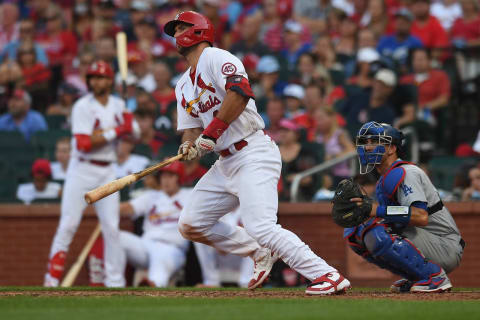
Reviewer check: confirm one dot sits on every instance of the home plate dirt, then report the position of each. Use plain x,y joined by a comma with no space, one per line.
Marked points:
264,293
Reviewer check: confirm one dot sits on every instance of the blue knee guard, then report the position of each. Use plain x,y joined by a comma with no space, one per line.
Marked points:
398,255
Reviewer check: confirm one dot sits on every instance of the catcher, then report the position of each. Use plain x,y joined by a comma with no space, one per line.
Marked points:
409,232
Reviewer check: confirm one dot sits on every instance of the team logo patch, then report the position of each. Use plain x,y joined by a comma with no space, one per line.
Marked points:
228,68
406,189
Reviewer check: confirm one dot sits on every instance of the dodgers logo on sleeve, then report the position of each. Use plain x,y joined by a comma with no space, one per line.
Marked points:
406,189
228,69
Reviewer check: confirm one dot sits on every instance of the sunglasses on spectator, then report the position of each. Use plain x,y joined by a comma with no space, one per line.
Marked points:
26,29
26,51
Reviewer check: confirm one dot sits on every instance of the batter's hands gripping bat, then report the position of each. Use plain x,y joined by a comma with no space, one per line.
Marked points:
121,39
77,266
111,187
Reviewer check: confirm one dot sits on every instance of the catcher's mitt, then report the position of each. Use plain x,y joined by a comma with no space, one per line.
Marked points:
346,213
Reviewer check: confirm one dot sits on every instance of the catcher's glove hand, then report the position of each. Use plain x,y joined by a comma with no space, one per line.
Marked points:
346,213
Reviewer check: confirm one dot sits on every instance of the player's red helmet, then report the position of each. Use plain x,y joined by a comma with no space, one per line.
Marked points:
101,69
175,167
201,30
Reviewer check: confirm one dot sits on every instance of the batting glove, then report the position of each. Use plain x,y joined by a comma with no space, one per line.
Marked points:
188,150
204,144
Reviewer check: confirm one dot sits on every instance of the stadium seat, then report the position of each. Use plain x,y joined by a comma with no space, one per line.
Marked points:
44,142
18,154
56,121
8,187
443,169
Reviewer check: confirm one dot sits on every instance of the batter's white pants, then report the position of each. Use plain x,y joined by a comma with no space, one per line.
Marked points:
248,179
81,178
161,259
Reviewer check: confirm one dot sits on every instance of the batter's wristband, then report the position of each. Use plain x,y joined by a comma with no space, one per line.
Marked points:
216,128
110,135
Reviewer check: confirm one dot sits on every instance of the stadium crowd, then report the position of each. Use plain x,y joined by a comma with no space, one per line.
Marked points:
319,69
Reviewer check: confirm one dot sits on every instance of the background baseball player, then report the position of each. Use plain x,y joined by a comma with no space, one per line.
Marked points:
99,119
217,112
410,232
209,259
161,249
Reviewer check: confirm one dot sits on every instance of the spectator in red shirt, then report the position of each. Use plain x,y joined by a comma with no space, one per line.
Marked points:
35,75
211,9
433,85
275,113
427,28
164,94
193,172
465,33
271,31
148,42
60,44
467,28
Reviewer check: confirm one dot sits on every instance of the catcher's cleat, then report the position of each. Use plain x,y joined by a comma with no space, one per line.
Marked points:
401,286
436,283
330,283
261,269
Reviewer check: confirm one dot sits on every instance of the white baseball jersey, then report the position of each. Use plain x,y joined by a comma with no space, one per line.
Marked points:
57,171
134,163
27,192
161,215
200,97
89,115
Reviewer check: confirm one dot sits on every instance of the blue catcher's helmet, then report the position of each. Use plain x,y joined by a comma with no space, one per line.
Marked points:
377,136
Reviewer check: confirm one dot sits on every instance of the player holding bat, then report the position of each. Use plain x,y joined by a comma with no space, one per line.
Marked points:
217,113
99,119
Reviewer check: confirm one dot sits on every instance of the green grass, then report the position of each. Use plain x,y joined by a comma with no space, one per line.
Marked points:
118,307
134,307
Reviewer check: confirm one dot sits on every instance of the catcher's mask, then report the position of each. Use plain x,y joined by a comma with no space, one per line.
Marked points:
372,140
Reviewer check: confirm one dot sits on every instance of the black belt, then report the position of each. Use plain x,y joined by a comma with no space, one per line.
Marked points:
435,208
462,243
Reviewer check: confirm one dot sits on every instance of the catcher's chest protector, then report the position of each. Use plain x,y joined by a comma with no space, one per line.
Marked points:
388,184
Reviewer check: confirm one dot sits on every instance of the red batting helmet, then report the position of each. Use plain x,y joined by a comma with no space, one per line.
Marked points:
101,69
175,167
201,30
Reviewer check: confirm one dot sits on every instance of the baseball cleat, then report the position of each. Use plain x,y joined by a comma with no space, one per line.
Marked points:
330,283
437,283
401,286
50,282
261,269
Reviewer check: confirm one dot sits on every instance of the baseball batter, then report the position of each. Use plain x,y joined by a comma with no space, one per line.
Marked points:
99,119
217,112
411,233
161,249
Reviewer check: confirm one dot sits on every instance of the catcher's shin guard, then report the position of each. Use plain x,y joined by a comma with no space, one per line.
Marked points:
401,253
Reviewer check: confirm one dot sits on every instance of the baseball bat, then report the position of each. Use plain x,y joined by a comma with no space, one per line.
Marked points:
111,187
121,39
77,266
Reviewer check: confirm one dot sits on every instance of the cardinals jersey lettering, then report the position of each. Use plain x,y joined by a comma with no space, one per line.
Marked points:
88,116
198,101
161,214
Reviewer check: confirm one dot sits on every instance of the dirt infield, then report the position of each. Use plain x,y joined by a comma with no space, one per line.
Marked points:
455,296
